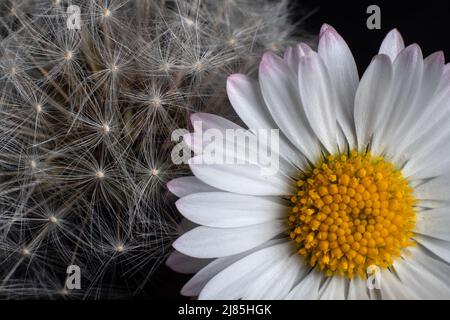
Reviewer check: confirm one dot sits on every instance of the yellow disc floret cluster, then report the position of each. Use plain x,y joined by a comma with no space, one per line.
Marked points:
350,212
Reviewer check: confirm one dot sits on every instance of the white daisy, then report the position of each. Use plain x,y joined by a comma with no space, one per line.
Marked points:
363,181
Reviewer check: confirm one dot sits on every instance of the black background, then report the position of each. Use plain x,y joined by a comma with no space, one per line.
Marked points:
426,23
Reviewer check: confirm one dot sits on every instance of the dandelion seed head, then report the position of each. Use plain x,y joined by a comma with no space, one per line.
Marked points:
94,154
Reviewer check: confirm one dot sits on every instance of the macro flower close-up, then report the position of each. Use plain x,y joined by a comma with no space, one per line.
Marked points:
361,189
212,159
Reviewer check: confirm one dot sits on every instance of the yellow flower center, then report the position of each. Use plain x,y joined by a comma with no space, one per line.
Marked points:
352,212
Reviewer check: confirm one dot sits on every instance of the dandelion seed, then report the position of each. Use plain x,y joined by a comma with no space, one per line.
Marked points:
38,108
198,66
165,67
156,102
53,219
99,174
114,68
231,41
105,129
25,252
69,55
33,164
189,22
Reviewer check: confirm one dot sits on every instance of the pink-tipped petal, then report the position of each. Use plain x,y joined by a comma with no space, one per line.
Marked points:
371,98
293,54
392,44
403,94
343,72
246,98
279,87
318,99
325,27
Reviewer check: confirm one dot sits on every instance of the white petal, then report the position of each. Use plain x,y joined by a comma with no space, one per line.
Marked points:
184,186
421,280
434,223
392,44
406,131
206,242
193,287
318,99
428,165
200,279
181,263
439,165
333,289
230,210
205,121
440,248
242,178
343,72
308,288
371,97
280,91
428,146
245,96
213,137
293,54
277,280
434,189
407,75
232,282
393,289
427,260
357,289
427,124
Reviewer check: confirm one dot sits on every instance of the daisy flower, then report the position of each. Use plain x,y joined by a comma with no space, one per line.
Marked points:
362,188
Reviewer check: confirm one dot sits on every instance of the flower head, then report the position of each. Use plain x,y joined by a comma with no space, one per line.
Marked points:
361,188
